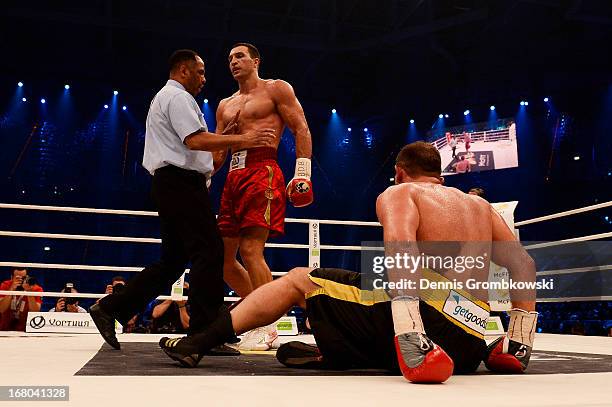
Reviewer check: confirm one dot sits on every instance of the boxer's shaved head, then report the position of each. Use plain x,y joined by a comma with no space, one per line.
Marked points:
420,159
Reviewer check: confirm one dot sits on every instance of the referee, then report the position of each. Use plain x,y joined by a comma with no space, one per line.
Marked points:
177,153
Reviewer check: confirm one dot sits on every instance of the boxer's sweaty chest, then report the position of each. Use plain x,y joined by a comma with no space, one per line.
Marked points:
254,107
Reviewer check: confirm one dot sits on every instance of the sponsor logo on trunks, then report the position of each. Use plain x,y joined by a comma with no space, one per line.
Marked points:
466,312
302,187
238,160
269,194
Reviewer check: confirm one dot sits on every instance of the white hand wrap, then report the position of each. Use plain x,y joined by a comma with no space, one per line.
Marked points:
406,315
302,168
522,326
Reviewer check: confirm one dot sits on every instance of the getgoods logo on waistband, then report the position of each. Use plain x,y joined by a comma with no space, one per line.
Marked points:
466,312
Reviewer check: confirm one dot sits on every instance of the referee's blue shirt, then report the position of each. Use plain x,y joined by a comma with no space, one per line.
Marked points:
174,114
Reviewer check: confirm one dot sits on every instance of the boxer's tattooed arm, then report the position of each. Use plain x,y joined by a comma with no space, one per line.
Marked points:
292,113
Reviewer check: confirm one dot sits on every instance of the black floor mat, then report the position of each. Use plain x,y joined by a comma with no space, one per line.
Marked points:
146,359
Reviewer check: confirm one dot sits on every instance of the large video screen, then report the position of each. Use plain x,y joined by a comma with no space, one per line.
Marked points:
477,147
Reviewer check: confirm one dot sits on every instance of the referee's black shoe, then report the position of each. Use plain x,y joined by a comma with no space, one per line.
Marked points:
105,324
181,350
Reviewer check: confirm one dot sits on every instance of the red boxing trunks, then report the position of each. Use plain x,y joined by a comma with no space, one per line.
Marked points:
254,193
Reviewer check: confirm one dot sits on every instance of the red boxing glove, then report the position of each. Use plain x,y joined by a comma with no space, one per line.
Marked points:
421,360
299,189
511,353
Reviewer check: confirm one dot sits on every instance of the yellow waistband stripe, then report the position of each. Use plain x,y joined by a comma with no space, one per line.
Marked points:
436,298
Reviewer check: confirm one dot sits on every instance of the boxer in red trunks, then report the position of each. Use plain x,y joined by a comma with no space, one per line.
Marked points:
253,199
467,138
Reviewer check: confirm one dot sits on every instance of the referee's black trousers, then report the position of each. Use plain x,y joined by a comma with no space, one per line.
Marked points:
189,232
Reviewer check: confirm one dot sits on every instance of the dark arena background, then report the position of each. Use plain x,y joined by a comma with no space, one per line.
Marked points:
77,79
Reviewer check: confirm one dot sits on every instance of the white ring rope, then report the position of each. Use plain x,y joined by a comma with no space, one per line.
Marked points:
87,267
77,210
563,214
573,271
572,299
233,299
288,220
274,273
568,241
87,295
81,237
149,213
270,245
155,240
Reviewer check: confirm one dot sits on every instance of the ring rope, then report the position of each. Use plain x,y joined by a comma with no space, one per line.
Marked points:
274,273
564,213
88,295
568,241
156,240
572,299
87,267
288,220
150,213
271,245
573,271
231,299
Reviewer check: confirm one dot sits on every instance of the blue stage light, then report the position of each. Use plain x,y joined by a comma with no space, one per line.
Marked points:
206,101
115,92
446,115
492,108
66,87
349,129
106,106
23,99
465,113
124,108
526,103
334,111
43,101
20,84
365,129
411,121
440,116
576,157
606,218
522,103
546,100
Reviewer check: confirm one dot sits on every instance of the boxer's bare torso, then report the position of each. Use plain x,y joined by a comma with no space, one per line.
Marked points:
258,107
426,212
441,213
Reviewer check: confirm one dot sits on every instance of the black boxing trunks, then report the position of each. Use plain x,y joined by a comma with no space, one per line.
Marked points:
353,328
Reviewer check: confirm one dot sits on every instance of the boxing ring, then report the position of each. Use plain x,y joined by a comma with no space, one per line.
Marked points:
565,369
